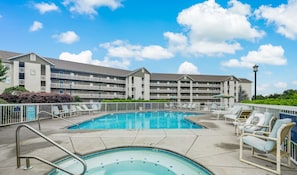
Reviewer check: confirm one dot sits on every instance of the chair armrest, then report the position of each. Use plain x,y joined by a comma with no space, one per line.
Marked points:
261,133
258,136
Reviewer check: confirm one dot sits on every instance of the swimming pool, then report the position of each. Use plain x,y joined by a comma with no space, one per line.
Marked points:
141,120
134,161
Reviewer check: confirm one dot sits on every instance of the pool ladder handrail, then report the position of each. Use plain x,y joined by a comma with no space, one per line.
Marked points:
19,157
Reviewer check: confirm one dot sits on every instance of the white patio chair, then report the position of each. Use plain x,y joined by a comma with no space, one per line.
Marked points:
272,144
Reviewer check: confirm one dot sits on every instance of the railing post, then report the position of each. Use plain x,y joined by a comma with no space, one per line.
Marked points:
17,149
28,164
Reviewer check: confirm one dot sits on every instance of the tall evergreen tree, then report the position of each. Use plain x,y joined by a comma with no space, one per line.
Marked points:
3,71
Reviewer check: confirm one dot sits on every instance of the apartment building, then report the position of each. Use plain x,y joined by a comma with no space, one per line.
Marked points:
95,83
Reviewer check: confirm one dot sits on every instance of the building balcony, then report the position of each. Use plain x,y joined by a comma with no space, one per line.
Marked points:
164,84
86,78
206,85
206,91
156,97
163,91
101,96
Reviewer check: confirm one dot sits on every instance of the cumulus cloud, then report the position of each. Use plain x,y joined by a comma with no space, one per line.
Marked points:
187,68
87,58
266,54
68,37
284,17
46,7
122,64
122,49
88,7
281,85
177,42
82,57
36,26
212,29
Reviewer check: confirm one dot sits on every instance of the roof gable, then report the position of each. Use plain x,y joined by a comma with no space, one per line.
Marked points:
139,72
31,57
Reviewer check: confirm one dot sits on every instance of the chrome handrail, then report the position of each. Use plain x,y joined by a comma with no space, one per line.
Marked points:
19,157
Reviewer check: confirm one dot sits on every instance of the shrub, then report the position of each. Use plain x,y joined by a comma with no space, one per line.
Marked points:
15,90
31,97
2,101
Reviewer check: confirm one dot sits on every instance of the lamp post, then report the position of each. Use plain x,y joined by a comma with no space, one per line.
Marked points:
255,68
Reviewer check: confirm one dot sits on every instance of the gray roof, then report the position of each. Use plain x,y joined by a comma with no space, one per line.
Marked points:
5,55
72,66
244,80
95,69
195,77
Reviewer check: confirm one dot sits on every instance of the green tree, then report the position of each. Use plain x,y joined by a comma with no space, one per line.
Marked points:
3,71
15,90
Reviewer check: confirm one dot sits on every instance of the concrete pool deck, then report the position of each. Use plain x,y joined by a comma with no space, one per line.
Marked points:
216,148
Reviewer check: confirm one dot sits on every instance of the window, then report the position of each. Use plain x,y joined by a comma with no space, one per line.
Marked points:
21,76
42,69
43,83
21,64
61,91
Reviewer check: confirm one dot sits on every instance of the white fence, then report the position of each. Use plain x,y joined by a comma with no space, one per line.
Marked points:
20,113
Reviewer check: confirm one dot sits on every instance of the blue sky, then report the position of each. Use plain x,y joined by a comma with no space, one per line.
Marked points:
164,36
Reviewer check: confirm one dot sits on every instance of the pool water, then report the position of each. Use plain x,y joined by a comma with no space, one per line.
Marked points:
141,120
134,161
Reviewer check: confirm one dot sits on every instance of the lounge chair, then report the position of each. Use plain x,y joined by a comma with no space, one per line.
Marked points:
96,107
264,129
79,110
213,107
85,108
65,111
272,144
257,122
238,114
232,110
56,112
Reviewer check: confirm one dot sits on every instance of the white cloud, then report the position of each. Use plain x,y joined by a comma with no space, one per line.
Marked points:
155,52
177,41
263,87
82,57
46,7
122,49
187,68
237,63
294,82
212,29
86,57
88,6
281,85
266,54
284,17
68,37
36,26
122,64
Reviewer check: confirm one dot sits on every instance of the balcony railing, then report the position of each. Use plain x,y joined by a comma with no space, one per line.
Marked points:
86,78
